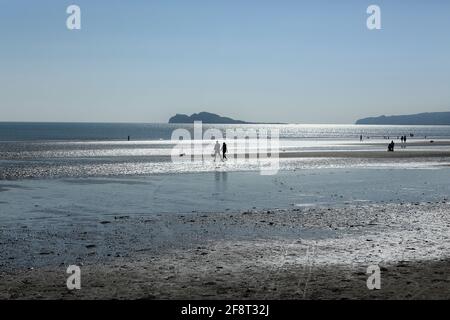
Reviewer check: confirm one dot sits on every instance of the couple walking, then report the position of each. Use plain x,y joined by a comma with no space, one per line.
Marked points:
217,150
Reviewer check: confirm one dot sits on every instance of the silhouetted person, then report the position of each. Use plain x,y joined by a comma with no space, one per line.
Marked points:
360,138
128,138
224,151
216,150
391,146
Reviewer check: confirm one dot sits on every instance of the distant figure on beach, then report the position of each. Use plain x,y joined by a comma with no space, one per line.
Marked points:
216,151
391,146
360,138
224,151
403,141
128,138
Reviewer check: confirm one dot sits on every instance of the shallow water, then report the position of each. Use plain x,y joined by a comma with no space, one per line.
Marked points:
94,198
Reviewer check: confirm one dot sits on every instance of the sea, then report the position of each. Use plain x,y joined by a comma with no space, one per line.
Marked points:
54,150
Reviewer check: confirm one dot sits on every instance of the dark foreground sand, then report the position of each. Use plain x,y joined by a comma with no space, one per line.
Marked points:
307,253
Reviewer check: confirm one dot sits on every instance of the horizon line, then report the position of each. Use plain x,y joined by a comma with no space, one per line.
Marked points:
150,122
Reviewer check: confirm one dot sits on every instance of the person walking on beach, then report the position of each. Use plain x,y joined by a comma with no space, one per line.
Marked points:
224,151
360,137
216,151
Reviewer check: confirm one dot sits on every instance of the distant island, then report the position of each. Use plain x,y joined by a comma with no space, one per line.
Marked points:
427,118
205,117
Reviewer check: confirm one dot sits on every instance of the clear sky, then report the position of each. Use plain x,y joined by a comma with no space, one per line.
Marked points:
256,60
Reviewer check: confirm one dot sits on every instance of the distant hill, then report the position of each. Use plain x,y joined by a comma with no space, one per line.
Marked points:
428,118
205,117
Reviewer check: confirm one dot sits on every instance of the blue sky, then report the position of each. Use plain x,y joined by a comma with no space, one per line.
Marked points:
282,61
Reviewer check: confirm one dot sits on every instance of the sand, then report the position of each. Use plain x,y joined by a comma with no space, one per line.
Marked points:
413,154
303,253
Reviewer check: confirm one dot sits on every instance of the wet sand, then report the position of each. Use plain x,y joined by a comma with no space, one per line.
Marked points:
304,253
401,153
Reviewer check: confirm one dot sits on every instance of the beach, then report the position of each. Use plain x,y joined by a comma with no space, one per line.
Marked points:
313,241
182,152
140,226
305,253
